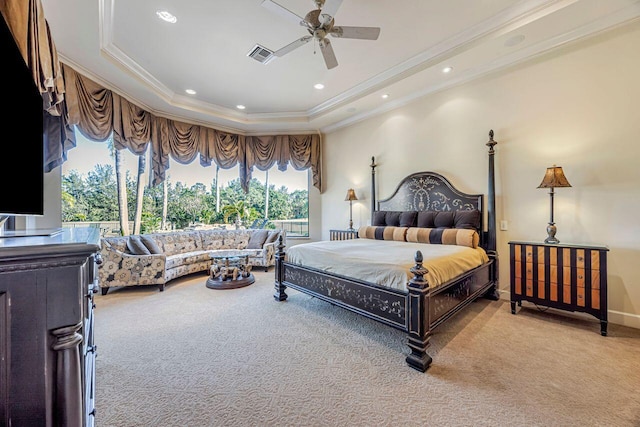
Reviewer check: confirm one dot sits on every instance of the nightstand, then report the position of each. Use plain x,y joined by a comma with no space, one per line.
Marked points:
343,234
563,276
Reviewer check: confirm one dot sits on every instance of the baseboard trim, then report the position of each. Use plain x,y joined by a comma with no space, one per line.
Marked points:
616,317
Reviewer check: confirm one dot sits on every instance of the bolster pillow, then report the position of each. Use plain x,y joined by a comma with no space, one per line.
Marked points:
444,236
383,233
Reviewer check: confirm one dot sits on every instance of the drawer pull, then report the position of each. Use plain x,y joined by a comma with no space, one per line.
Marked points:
580,277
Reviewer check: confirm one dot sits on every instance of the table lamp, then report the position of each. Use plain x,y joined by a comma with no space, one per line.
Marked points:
351,196
553,178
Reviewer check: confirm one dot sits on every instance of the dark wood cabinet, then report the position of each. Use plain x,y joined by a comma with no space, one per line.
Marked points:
343,234
47,348
562,276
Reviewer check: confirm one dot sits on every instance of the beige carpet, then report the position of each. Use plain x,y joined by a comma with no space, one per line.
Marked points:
193,356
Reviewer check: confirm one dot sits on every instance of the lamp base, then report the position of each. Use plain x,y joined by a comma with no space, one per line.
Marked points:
551,232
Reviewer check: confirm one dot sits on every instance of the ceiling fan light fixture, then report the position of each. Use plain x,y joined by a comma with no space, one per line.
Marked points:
320,23
166,16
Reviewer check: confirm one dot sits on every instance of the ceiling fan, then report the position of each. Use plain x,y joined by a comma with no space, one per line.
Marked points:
320,23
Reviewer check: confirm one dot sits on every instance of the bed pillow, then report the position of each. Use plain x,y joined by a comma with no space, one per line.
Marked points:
450,219
467,219
379,218
408,219
426,219
151,244
444,236
383,233
392,218
136,247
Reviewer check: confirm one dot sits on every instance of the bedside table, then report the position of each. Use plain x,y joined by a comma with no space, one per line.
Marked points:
343,234
562,276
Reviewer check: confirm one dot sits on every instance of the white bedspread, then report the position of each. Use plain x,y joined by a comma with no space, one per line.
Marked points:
386,262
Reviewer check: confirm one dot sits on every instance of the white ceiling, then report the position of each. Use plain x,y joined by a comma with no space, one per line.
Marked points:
124,46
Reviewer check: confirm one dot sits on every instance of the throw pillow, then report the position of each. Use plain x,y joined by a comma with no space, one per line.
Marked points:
136,247
151,244
257,239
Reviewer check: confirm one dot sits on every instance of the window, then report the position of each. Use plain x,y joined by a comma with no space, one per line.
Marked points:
90,195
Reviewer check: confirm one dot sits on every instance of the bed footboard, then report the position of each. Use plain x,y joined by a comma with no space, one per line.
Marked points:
406,311
419,326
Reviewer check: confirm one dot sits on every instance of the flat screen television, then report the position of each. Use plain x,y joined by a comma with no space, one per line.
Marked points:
21,132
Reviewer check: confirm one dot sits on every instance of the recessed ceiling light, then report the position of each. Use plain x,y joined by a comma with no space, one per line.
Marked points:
385,96
240,107
318,86
166,16
447,69
190,91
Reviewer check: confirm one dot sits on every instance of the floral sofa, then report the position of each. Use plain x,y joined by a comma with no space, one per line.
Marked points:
155,259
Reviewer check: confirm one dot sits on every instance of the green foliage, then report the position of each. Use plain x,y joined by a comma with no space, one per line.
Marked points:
94,198
238,212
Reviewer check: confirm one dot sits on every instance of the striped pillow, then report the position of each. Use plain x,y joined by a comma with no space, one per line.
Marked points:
444,236
383,233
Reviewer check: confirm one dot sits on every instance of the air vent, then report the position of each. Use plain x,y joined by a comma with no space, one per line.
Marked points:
261,54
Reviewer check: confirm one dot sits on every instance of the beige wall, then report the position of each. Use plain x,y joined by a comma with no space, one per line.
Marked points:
577,107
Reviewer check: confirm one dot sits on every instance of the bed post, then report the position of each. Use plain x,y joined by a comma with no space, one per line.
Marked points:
418,317
280,294
491,219
373,187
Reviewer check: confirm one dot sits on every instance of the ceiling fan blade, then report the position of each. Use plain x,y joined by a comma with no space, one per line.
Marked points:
284,12
329,10
291,46
363,33
328,54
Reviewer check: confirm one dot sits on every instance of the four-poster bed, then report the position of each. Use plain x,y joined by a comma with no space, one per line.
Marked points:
425,214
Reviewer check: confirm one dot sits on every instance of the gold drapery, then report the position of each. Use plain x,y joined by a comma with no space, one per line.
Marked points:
97,112
70,99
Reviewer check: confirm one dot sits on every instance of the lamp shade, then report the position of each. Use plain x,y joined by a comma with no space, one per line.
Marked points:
554,178
351,195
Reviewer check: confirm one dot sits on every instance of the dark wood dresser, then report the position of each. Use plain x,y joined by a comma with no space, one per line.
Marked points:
47,349
563,276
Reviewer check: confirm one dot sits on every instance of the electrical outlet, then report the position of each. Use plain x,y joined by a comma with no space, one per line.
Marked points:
503,225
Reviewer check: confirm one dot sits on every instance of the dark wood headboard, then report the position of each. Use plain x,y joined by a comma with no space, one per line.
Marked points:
429,191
